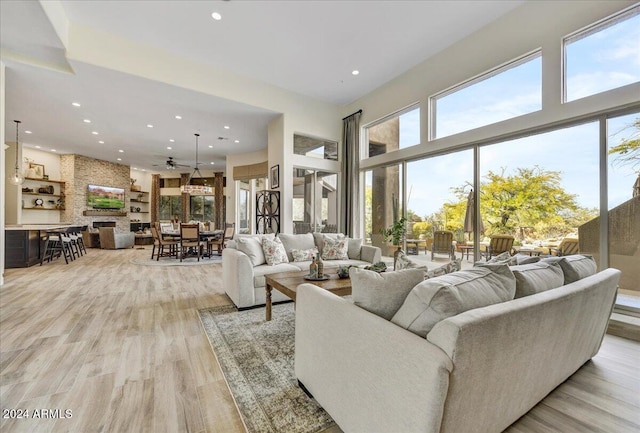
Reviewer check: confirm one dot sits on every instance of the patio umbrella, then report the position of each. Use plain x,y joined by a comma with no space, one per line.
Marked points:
470,216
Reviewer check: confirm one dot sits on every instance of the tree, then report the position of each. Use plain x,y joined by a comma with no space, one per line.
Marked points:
628,151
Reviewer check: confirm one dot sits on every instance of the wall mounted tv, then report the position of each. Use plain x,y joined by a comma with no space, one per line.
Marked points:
105,197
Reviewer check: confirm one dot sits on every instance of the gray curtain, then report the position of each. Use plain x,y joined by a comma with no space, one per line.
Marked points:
351,172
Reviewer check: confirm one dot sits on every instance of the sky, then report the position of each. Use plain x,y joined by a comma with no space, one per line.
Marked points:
601,61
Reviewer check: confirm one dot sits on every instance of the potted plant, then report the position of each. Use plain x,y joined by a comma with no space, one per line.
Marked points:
396,234
134,187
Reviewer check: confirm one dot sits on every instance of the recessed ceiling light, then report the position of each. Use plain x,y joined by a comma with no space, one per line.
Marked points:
101,142
53,150
179,117
121,151
226,127
75,104
210,146
135,168
149,126
87,121
28,132
94,132
216,16
119,159
169,147
144,169
37,147
355,72
172,140
212,163
236,141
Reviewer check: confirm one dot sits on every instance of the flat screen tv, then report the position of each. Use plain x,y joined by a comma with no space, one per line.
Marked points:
105,197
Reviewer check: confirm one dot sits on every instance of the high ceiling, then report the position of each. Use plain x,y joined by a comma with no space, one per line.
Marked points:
306,47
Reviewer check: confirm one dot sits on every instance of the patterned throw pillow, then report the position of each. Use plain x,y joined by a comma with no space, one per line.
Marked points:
304,255
404,262
274,251
335,249
452,266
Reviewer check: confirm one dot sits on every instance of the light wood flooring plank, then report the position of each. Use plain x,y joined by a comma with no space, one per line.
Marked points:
121,345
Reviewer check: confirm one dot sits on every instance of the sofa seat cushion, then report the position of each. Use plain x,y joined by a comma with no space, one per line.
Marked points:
537,277
260,271
437,298
382,293
575,267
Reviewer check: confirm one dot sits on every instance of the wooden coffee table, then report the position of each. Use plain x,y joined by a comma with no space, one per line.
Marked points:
288,282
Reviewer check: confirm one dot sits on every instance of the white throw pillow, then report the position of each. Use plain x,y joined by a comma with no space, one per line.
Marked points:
437,298
382,293
252,247
335,249
274,251
537,277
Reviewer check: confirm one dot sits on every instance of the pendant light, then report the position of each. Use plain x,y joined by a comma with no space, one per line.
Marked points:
196,189
16,178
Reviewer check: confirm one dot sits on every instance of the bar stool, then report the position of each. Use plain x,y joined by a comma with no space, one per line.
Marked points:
54,248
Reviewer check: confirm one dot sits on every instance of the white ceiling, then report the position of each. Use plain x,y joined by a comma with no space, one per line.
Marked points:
308,47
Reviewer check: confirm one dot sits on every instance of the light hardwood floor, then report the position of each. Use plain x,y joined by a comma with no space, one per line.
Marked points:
121,345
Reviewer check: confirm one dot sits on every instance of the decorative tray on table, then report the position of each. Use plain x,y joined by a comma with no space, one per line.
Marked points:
322,278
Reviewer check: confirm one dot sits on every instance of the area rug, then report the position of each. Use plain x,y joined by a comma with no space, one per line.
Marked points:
171,261
257,359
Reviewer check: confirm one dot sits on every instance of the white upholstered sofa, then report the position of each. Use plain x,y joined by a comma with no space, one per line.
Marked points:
244,267
477,371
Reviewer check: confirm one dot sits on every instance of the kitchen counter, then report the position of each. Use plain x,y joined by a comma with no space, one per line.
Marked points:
22,245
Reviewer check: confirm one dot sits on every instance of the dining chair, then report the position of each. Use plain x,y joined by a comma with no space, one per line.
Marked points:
190,240
221,242
161,243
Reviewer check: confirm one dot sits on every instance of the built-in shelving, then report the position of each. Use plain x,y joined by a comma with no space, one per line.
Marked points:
32,186
42,208
139,205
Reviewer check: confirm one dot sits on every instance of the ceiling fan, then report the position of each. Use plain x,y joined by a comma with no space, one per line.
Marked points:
170,164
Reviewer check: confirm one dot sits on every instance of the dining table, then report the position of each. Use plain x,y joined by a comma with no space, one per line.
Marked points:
204,236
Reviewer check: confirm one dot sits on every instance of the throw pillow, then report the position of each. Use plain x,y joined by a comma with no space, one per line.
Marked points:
335,249
298,242
500,258
319,238
304,255
452,266
537,277
382,294
575,267
274,251
252,247
404,262
437,298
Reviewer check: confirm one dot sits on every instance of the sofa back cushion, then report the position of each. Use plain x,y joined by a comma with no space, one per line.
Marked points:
537,277
382,293
297,242
437,298
575,267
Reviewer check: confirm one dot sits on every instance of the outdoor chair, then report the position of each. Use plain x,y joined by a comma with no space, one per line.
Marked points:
221,243
567,247
498,245
443,244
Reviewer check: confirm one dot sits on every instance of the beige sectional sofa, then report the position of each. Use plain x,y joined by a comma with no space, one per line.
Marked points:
244,268
476,371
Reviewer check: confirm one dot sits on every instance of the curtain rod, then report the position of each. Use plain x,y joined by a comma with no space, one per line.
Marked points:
352,114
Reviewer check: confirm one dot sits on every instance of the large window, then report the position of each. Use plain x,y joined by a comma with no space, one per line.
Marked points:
170,206
604,56
395,133
624,197
507,92
314,147
315,201
201,208
384,204
244,203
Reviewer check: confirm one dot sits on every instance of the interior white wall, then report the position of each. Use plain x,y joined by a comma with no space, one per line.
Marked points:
527,28
2,171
